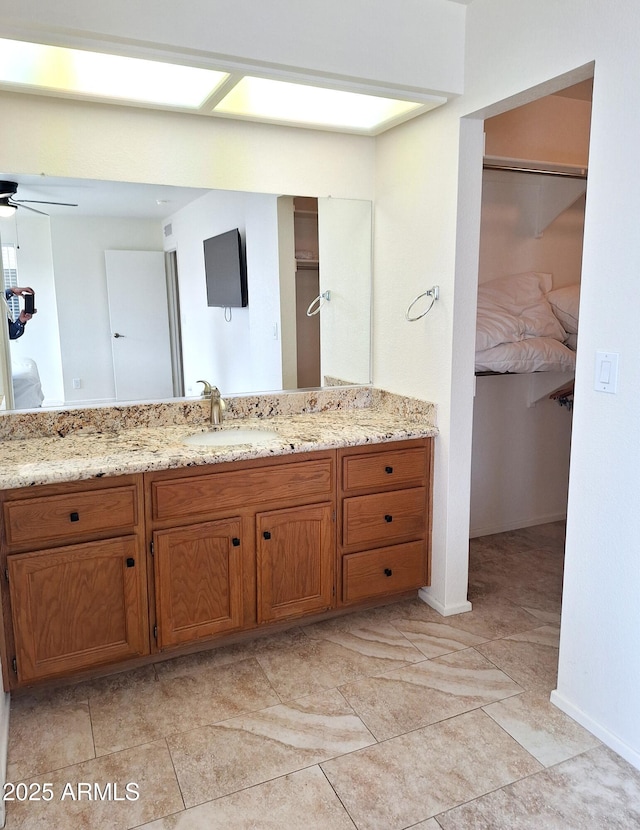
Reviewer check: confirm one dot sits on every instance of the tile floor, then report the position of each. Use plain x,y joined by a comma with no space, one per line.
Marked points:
385,719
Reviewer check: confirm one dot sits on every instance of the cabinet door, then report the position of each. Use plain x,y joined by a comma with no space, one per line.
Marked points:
77,607
198,581
296,554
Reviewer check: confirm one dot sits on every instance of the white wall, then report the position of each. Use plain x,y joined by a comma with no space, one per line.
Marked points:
241,354
512,204
32,235
78,246
136,145
520,461
514,48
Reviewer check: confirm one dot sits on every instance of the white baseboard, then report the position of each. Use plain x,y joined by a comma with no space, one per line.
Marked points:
503,527
5,699
445,610
608,738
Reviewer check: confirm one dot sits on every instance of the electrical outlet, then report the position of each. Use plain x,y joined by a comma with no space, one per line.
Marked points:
77,383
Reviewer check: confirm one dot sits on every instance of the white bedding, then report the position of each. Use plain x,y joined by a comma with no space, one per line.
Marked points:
27,391
535,354
519,329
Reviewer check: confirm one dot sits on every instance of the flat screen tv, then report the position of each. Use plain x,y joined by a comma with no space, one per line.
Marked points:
225,270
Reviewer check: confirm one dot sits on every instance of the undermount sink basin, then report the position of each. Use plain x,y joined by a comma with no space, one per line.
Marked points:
229,437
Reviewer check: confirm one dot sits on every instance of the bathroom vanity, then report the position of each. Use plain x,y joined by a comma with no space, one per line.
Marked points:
176,549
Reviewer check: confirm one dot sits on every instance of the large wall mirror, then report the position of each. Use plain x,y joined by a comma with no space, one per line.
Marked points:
121,292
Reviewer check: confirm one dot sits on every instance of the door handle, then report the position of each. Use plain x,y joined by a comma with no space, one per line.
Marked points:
115,334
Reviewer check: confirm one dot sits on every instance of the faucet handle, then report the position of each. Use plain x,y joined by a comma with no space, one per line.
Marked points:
207,392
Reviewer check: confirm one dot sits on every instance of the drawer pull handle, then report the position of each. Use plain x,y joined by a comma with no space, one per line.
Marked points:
235,542
388,572
388,470
74,517
266,535
130,562
388,518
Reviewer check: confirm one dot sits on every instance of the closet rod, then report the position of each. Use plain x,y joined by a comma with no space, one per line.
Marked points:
540,172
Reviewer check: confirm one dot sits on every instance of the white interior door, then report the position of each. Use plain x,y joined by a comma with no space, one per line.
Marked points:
139,319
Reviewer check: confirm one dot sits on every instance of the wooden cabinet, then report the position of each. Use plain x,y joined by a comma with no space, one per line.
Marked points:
102,571
241,544
295,560
198,580
77,606
75,590
385,519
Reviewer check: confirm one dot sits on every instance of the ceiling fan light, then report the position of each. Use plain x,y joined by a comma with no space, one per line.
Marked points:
6,210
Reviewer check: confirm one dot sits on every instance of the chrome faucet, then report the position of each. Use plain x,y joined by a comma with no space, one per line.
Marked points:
218,406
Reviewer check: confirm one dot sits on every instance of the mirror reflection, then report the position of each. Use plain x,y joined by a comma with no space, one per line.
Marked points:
123,310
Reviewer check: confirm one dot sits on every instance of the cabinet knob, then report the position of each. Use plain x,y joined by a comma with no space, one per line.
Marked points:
235,542
388,470
388,518
130,562
74,517
266,535
388,572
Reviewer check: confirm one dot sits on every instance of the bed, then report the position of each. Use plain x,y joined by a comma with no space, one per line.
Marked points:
525,325
27,391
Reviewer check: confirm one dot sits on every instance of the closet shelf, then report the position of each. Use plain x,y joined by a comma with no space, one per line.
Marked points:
542,168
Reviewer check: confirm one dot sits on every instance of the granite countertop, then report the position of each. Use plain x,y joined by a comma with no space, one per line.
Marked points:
106,450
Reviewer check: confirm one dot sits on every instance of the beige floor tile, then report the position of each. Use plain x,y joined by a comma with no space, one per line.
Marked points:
47,732
251,749
592,791
541,728
436,638
548,617
413,777
307,664
413,608
149,767
142,707
530,658
303,799
412,697
492,618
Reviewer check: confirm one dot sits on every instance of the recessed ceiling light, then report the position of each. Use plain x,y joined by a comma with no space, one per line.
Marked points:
74,73
293,103
98,75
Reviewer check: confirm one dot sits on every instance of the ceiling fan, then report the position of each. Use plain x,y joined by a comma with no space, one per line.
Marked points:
9,204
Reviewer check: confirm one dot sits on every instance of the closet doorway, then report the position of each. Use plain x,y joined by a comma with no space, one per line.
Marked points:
532,220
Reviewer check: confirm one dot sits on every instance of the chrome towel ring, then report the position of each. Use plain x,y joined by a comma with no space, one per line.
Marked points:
320,300
434,293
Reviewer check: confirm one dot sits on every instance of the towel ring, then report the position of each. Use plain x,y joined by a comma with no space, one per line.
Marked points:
325,296
434,293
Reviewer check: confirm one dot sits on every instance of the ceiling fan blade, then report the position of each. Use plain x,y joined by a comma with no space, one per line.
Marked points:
33,210
38,202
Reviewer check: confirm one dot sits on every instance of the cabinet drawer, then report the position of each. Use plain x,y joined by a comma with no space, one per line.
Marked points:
71,516
231,489
393,468
384,571
384,518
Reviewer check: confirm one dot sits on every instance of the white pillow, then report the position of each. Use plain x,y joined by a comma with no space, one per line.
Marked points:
536,354
518,301
565,302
